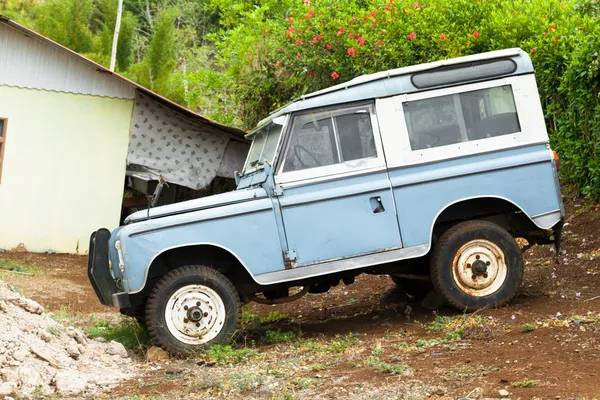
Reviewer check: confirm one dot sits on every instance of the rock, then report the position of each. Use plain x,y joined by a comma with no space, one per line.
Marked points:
20,355
100,339
7,389
432,301
73,350
116,349
69,384
155,354
503,393
27,304
78,335
44,335
44,355
29,380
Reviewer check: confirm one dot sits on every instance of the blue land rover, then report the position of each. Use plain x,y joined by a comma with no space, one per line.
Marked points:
426,173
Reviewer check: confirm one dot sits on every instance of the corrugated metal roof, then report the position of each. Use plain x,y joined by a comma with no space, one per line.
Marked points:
81,75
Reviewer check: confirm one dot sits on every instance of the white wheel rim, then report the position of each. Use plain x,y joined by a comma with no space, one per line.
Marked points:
479,268
195,314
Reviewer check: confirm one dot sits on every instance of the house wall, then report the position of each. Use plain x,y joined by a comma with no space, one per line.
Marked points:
64,166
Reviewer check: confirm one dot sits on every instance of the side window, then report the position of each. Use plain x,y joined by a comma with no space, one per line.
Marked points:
2,143
330,137
462,117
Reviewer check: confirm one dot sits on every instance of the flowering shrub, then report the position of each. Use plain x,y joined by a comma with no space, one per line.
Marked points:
315,44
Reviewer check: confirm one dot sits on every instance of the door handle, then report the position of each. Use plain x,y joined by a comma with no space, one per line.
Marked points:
377,205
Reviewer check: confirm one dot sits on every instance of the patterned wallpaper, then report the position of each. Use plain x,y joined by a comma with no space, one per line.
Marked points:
184,151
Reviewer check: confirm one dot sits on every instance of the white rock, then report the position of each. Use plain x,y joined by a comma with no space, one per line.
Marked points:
20,355
116,349
27,304
29,380
503,393
7,388
73,350
69,383
100,339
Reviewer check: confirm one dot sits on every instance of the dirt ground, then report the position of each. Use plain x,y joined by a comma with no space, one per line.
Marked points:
559,303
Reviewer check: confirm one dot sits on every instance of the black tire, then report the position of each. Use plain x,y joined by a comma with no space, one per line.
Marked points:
446,266
177,279
416,288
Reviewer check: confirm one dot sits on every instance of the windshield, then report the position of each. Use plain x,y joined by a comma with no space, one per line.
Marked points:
264,144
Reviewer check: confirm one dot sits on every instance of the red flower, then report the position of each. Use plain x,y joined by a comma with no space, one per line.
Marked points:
552,28
266,31
351,52
412,36
475,34
298,42
379,42
335,75
310,72
307,3
291,29
290,20
299,56
387,8
533,50
341,32
351,35
360,40
280,49
250,53
443,36
415,4
556,38
373,13
372,25
329,47
278,64
315,40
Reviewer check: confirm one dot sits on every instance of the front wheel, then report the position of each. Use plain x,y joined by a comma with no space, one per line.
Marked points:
191,308
476,264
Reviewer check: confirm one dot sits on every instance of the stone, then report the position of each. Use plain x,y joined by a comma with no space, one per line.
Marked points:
20,355
73,350
155,354
27,304
78,335
69,383
7,389
432,301
44,355
100,339
29,380
116,349
503,393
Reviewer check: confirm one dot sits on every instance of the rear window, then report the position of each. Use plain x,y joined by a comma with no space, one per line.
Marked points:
462,117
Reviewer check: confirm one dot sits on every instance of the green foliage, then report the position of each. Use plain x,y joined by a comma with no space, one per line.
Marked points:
273,337
225,354
127,332
14,266
527,328
237,61
524,383
384,367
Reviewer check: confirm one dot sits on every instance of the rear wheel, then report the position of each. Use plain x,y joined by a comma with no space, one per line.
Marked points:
476,264
191,308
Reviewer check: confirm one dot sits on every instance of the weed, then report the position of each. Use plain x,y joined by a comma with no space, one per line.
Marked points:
382,366
376,349
273,337
465,372
225,354
246,381
454,335
284,396
64,314
253,321
524,383
427,343
13,266
341,343
352,301
127,332
54,330
207,381
319,367
272,316
304,383
527,328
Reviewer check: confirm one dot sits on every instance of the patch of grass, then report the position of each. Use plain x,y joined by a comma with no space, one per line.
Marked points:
54,330
458,323
339,344
376,349
127,332
384,367
64,314
524,383
454,335
253,321
225,354
427,343
272,316
319,367
285,396
246,381
304,383
14,266
273,337
527,328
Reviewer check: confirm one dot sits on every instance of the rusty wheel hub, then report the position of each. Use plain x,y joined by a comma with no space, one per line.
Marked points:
479,268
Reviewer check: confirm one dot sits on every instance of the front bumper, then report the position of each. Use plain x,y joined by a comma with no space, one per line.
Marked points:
99,272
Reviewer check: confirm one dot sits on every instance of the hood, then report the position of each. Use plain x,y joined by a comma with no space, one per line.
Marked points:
237,196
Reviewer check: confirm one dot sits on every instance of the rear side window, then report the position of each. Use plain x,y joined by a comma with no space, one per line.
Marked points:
461,117
330,137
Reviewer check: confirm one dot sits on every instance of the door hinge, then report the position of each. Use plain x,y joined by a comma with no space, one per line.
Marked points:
289,259
277,190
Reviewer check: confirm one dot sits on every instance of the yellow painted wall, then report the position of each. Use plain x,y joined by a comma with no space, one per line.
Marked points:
64,167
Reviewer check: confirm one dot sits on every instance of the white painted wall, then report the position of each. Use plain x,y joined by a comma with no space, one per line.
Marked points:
64,167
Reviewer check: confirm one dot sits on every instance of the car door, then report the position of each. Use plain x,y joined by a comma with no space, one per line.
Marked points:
334,192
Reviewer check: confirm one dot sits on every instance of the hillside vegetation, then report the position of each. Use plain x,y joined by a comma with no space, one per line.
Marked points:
237,60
